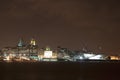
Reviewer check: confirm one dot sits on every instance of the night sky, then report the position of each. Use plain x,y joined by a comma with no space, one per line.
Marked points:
94,24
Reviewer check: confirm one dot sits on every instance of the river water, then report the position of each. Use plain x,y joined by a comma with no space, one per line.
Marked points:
86,70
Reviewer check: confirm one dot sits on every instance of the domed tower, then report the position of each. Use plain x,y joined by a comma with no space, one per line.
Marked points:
47,48
33,42
33,48
21,43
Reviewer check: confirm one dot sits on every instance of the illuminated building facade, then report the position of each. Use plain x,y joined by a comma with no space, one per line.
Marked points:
33,42
31,52
114,57
49,55
89,56
21,43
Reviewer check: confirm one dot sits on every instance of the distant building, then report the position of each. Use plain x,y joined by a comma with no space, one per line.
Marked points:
33,42
114,57
21,43
48,55
63,54
31,52
89,56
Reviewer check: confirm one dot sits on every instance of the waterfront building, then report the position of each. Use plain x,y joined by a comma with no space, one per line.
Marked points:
31,52
21,43
114,57
89,56
48,54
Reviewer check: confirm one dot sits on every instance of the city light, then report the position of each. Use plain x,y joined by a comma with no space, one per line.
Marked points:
88,55
96,57
31,52
47,54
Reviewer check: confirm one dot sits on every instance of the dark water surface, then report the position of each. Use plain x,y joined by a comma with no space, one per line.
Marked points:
60,70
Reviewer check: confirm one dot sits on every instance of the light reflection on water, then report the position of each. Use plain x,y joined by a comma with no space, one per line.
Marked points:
60,71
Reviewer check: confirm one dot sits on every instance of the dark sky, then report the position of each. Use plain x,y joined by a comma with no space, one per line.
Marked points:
69,23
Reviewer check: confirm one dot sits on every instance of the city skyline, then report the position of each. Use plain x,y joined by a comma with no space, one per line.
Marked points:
31,52
72,24
33,42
